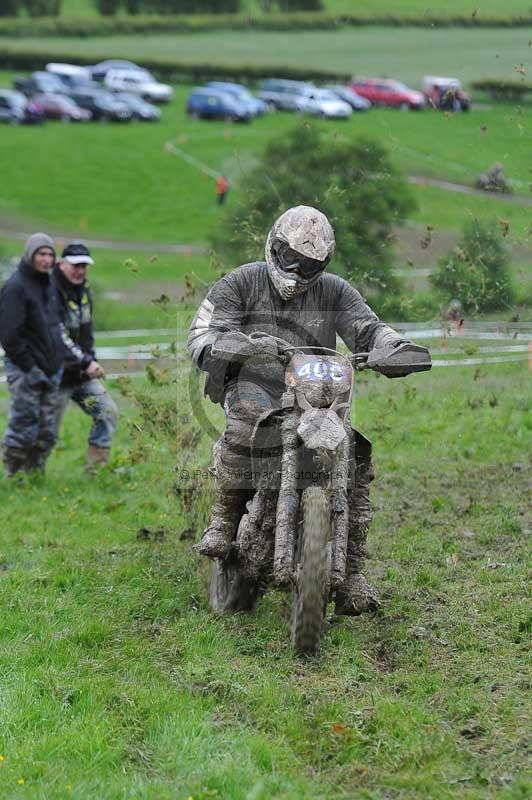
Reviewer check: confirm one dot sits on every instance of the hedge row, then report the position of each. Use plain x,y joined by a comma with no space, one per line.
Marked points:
105,26
504,89
175,71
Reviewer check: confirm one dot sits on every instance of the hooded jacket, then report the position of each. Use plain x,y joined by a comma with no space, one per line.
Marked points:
246,300
30,329
74,304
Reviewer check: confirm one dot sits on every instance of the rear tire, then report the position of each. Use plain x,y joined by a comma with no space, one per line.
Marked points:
312,578
229,590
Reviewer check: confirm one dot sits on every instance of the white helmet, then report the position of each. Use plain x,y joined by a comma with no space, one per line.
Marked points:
298,249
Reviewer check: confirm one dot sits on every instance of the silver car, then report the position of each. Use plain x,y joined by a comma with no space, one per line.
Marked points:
322,103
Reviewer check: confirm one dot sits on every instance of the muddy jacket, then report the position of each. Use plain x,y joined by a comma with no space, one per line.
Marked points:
74,305
245,300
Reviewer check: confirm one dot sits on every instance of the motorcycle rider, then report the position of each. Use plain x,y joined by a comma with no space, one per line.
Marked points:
292,297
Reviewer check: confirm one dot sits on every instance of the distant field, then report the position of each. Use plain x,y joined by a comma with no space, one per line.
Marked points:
118,180
405,53
420,7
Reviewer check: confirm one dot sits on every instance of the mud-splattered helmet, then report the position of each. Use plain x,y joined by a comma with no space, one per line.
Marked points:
298,249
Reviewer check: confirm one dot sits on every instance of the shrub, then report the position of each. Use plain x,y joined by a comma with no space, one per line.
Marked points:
9,8
352,182
503,88
42,8
300,5
108,8
476,271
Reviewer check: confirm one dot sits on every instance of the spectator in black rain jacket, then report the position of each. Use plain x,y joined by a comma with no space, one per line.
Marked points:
35,346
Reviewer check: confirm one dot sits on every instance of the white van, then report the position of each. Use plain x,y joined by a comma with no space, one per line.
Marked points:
69,73
138,82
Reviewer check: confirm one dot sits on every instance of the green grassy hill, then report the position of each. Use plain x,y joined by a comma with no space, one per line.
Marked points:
127,185
119,684
405,53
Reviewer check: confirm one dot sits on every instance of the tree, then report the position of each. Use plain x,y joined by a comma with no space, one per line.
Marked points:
476,271
352,182
300,5
108,8
42,8
9,8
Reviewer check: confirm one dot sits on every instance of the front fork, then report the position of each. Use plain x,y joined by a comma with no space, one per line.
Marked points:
287,503
288,506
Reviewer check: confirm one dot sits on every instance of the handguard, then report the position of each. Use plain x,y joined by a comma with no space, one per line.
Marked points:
236,347
396,362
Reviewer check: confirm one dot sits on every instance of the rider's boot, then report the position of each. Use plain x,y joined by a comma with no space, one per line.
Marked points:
356,596
228,507
227,510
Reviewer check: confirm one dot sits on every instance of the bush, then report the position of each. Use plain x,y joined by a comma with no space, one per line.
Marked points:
9,8
300,5
149,22
352,182
168,69
42,8
504,89
108,8
476,271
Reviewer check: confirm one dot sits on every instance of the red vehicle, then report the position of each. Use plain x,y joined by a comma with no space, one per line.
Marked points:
59,106
385,92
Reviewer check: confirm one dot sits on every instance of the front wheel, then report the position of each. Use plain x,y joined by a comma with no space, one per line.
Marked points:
229,590
312,573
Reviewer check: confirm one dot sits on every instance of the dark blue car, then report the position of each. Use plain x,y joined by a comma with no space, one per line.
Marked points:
242,94
214,104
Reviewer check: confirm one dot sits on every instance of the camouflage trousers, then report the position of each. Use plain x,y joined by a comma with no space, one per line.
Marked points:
245,402
31,422
92,397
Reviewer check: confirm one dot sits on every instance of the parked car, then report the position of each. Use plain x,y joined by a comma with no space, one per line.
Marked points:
280,93
207,103
60,106
69,74
445,93
384,92
322,103
256,105
17,109
139,108
38,83
102,105
99,71
356,101
139,82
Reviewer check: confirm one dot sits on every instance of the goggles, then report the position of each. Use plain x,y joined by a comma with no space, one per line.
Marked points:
292,261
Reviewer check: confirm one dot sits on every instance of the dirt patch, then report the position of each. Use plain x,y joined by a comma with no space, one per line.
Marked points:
147,292
413,250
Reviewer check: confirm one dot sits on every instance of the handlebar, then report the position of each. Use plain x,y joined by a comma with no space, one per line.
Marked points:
396,361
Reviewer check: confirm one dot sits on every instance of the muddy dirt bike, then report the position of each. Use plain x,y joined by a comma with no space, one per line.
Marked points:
295,528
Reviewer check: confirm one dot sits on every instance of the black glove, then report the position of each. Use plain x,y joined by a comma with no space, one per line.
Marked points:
36,379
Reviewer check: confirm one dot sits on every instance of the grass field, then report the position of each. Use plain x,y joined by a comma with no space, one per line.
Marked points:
118,683
413,7
404,53
120,181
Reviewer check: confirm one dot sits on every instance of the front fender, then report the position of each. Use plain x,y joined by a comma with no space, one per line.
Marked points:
321,428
